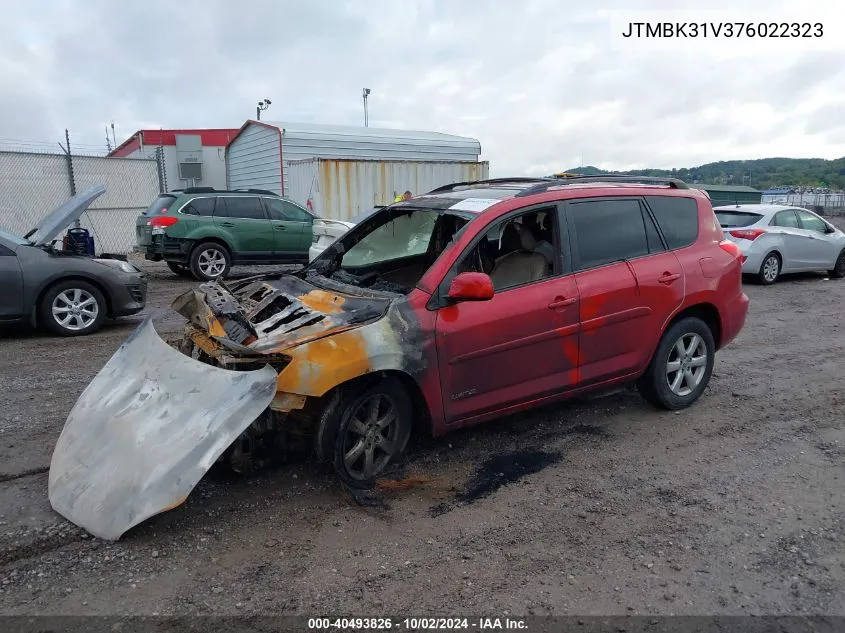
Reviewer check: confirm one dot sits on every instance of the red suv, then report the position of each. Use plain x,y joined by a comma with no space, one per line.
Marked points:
448,309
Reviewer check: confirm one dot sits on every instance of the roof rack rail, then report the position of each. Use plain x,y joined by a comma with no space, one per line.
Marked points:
549,183
490,181
262,192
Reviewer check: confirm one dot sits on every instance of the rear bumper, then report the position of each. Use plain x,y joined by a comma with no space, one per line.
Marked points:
733,319
167,248
753,261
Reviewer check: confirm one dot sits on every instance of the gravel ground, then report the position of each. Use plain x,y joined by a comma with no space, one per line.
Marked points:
601,505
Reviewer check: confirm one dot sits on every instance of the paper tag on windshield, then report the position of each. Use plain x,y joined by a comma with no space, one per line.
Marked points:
474,204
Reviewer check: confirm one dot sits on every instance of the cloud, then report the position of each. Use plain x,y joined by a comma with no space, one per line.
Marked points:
539,84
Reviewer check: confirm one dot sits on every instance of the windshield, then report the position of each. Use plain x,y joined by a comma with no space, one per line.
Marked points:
733,219
389,251
161,205
11,237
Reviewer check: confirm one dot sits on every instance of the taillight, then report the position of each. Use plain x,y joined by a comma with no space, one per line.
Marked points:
747,234
165,221
731,249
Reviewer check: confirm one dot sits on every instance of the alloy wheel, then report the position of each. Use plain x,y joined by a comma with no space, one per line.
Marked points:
371,438
211,262
687,364
75,309
771,268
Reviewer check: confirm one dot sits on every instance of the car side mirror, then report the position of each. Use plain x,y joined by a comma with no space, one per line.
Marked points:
471,287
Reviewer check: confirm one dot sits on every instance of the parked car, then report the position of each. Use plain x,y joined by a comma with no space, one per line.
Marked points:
776,239
327,231
202,232
69,294
415,318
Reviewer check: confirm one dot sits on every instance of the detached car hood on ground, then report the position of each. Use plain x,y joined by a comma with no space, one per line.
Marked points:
145,431
155,419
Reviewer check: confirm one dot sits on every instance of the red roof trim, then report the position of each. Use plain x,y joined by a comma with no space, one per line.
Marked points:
215,137
132,144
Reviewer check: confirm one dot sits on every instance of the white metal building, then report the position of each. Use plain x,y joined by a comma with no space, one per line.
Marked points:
192,158
260,154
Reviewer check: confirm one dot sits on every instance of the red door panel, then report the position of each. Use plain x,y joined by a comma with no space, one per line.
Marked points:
612,315
660,286
519,346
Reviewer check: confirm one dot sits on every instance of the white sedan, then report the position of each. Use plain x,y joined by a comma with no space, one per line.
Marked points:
327,231
776,239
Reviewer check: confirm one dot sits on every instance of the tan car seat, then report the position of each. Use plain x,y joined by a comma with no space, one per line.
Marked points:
519,266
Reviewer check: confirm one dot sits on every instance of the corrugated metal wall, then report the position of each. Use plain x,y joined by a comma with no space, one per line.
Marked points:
253,160
340,189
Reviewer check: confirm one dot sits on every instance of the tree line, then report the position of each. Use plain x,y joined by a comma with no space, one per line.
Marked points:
760,173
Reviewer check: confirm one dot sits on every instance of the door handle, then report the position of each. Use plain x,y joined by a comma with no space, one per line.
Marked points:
668,278
561,302
280,227
228,225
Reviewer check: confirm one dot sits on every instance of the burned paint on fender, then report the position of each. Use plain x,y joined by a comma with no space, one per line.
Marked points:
329,337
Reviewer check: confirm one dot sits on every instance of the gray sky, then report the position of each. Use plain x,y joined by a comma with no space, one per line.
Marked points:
538,84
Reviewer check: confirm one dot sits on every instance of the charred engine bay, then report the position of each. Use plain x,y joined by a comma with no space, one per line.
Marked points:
277,312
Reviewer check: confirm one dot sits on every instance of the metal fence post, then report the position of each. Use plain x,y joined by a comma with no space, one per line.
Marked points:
162,175
71,179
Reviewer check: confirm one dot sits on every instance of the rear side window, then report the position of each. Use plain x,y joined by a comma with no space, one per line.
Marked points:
244,208
199,206
285,211
677,218
161,205
608,231
786,219
733,219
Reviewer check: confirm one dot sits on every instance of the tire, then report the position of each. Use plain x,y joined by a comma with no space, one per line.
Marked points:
838,270
179,269
352,420
201,261
654,385
73,308
769,269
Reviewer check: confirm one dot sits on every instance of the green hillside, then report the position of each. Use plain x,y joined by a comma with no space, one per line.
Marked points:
761,173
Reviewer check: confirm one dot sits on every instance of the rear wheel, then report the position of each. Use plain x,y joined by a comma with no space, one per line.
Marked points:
838,271
210,261
73,308
769,269
180,269
681,367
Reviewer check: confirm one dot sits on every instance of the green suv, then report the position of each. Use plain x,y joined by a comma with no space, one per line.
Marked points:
202,232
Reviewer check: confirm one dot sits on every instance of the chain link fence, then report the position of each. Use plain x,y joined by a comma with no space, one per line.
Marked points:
823,203
32,184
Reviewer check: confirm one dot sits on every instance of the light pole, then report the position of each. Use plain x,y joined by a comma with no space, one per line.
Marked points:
366,94
262,105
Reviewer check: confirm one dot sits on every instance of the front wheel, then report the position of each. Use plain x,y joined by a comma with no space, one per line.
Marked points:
372,430
73,308
681,367
838,271
210,261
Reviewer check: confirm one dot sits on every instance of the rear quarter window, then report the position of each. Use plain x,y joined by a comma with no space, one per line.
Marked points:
677,218
199,206
161,205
